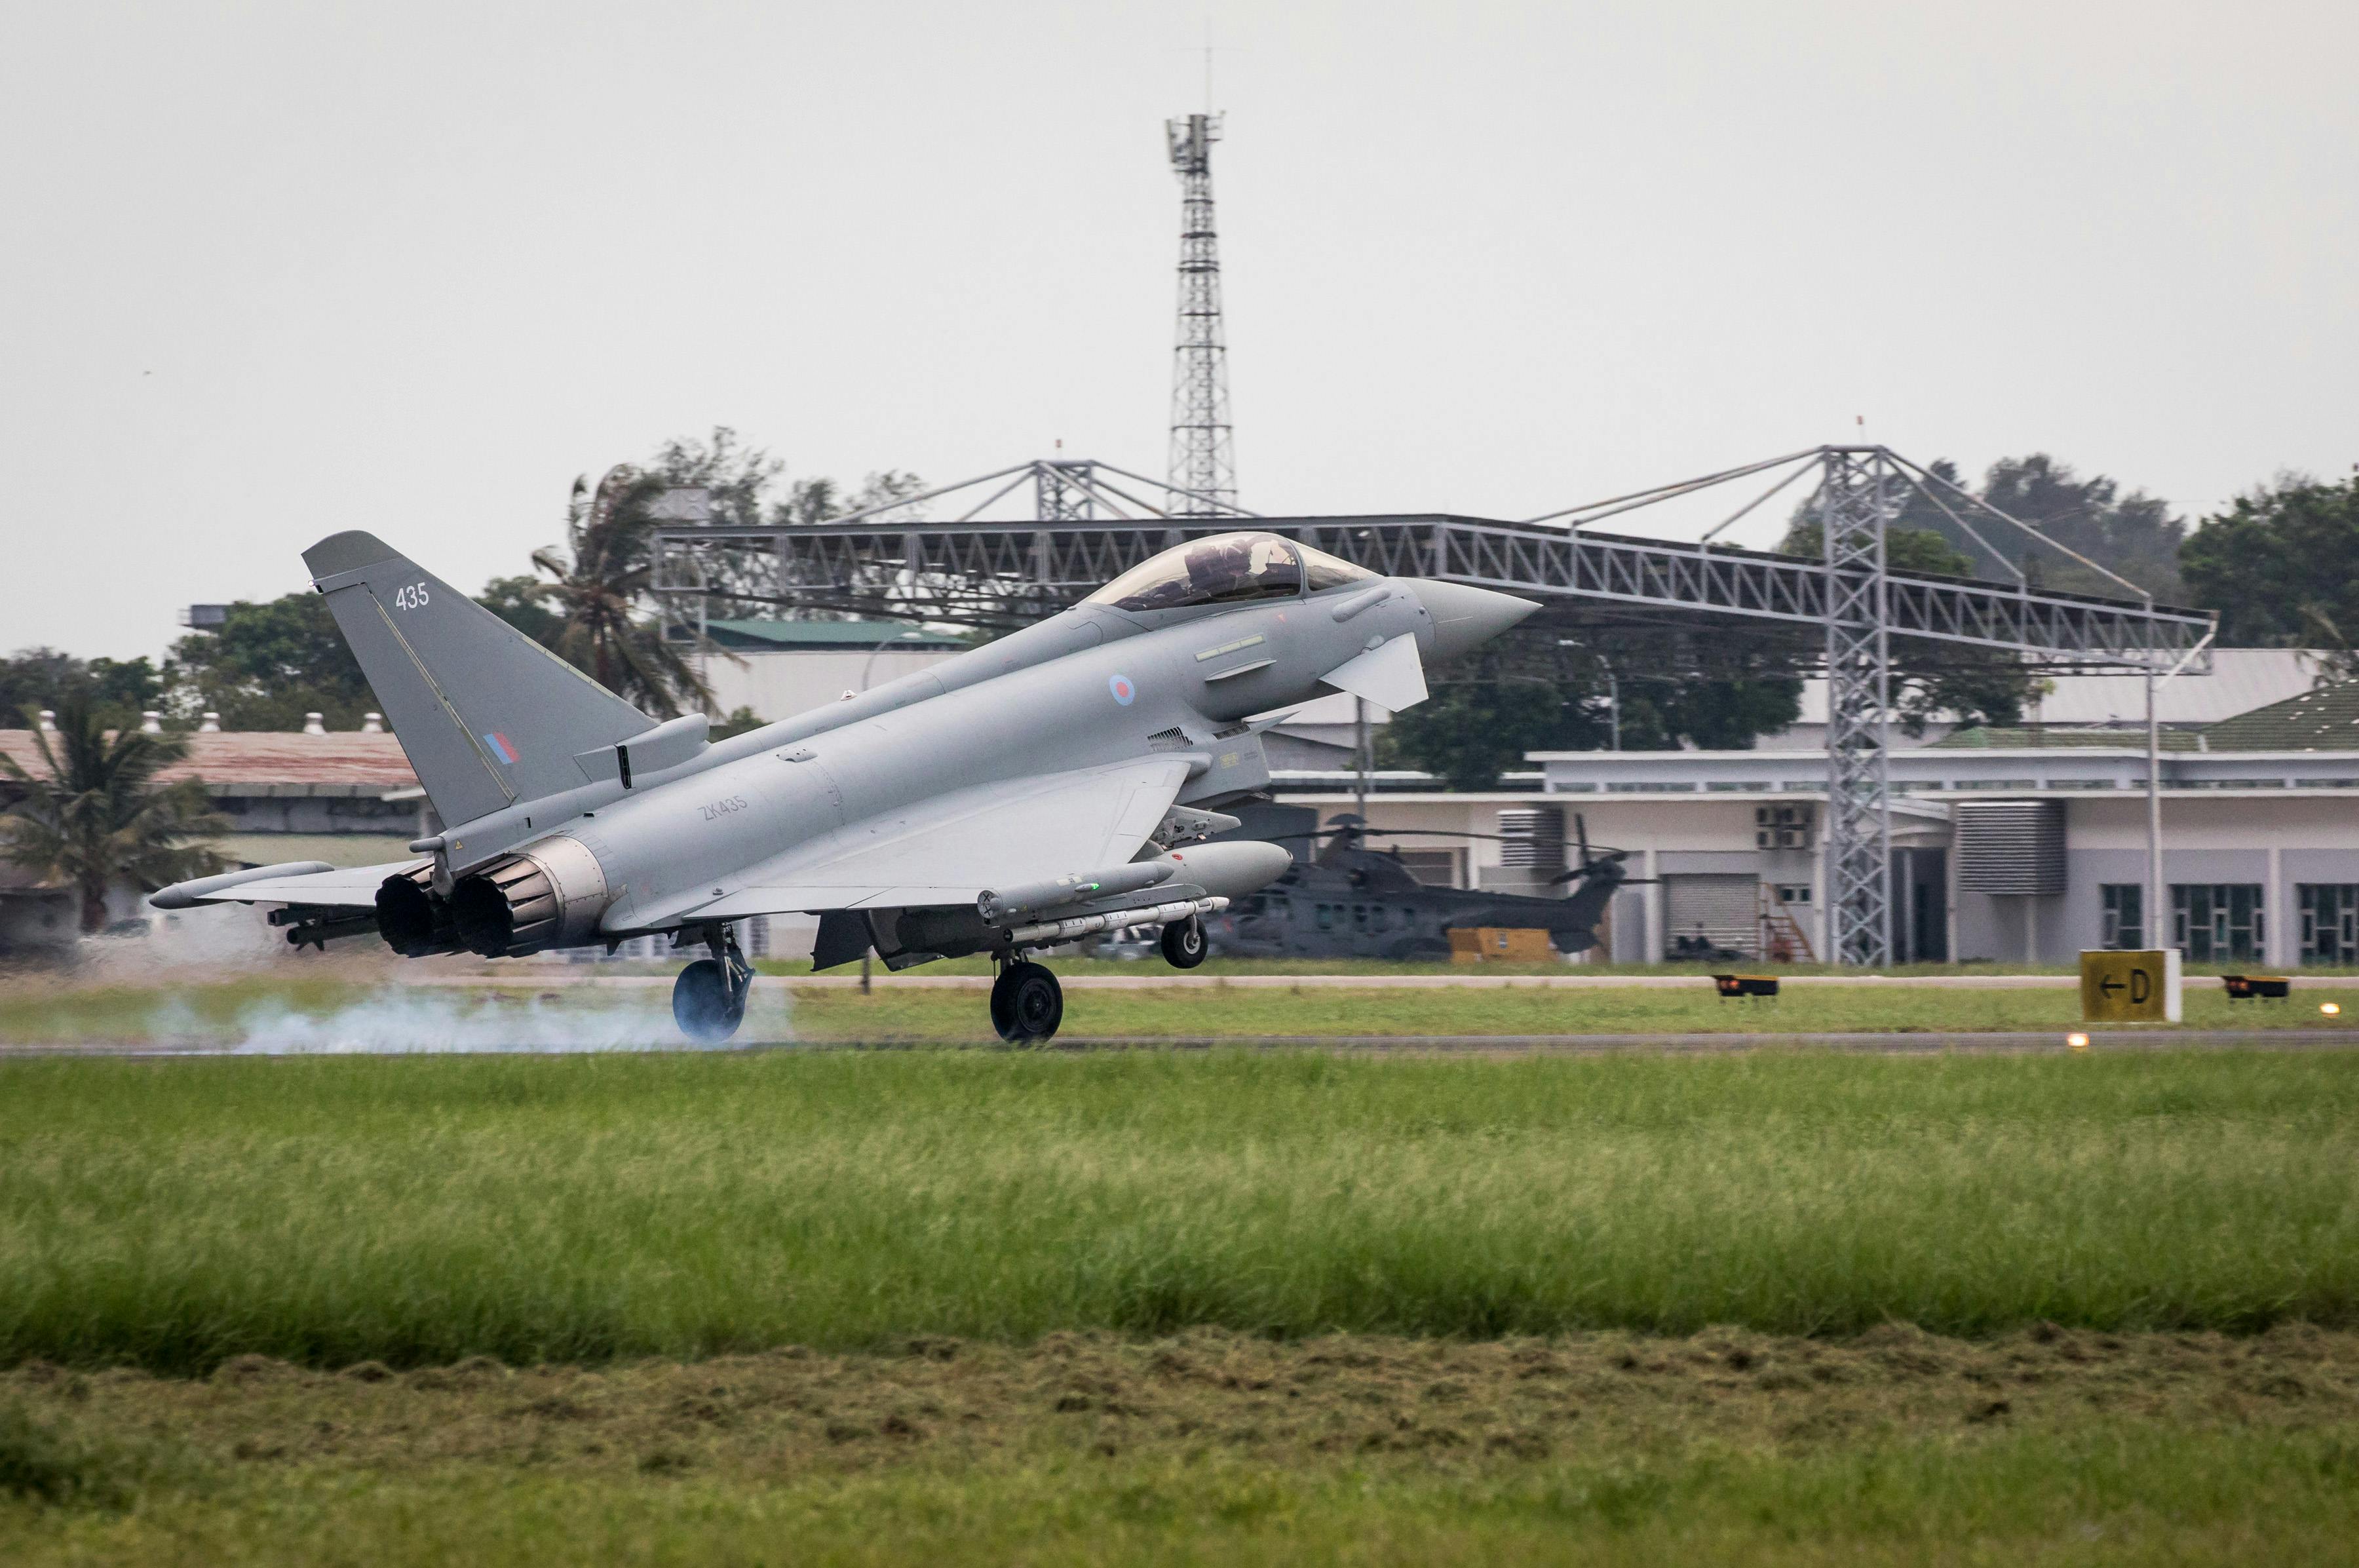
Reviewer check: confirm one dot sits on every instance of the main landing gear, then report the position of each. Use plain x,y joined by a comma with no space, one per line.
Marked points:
1183,942
708,1001
1026,1003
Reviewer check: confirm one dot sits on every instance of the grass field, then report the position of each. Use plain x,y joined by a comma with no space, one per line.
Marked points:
902,1306
314,1013
418,1210
2052,1445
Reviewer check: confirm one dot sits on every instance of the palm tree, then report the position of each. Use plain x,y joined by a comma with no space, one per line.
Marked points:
96,816
598,584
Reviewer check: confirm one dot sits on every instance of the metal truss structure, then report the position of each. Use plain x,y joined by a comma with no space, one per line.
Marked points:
1204,464
1091,521
1854,503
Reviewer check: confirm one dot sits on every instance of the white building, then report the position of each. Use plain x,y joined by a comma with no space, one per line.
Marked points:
2002,849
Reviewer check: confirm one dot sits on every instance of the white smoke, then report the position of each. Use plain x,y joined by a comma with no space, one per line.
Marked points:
391,1012
416,1020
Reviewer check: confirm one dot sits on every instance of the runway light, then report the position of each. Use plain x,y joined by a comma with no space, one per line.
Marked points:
2331,1009
2077,1042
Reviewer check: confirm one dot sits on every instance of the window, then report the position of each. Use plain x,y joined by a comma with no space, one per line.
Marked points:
2216,920
1793,892
1325,571
2124,924
1222,570
2330,921
1326,916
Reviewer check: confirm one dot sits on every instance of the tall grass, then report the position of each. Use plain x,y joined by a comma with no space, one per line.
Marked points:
418,1210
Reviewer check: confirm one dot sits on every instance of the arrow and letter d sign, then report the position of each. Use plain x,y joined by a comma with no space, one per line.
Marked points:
2130,988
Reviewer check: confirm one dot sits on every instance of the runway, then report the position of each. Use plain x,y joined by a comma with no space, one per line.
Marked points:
1473,979
2019,1042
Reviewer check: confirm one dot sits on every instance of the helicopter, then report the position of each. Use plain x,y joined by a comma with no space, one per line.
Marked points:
1353,902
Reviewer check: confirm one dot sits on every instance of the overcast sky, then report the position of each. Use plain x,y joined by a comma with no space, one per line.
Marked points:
271,271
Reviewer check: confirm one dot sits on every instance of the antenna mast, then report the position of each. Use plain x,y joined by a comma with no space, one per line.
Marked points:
1203,466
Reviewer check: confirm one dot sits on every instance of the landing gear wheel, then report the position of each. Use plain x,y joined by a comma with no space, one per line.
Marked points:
1026,1004
705,1006
708,1001
1183,942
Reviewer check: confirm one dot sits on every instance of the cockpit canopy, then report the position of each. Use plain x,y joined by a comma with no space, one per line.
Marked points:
1226,569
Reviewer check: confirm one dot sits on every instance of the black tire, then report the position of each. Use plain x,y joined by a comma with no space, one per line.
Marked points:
1026,1004
703,1004
1003,1002
1183,943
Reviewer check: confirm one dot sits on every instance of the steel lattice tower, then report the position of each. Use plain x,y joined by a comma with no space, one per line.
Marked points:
1062,490
1204,467
1858,495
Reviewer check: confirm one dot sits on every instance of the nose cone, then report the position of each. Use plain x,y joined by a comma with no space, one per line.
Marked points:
1467,618
1233,868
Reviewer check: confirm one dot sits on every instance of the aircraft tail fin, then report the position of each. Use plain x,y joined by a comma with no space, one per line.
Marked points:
487,717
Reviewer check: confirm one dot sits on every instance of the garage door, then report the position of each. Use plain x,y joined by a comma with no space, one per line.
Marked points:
1725,909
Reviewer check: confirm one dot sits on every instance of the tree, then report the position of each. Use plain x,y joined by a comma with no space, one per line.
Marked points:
1931,680
2133,535
523,603
96,815
1530,691
267,665
598,584
596,603
2281,566
39,678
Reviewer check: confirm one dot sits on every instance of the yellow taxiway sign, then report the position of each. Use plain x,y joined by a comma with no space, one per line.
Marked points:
2130,988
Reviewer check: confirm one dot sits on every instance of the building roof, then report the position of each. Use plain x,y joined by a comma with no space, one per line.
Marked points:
2241,679
766,635
359,763
2033,738
2325,718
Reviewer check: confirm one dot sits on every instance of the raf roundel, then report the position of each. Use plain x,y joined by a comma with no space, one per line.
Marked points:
1124,692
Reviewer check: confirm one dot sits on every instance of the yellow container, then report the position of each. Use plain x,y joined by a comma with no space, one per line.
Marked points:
1499,944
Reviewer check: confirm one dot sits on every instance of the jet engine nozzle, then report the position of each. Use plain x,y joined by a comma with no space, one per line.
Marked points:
414,920
549,894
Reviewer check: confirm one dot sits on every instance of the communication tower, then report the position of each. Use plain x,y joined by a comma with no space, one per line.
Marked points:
1203,465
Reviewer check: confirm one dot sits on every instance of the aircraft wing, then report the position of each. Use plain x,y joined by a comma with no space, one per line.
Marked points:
297,882
949,849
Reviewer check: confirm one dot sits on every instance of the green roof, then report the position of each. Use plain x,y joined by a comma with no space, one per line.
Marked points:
837,636
2324,718
2026,737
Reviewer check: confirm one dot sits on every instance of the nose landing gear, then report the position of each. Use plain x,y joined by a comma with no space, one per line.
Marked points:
1026,1003
708,1001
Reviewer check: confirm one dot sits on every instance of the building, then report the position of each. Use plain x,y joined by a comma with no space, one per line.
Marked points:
347,798
2241,679
779,668
2007,846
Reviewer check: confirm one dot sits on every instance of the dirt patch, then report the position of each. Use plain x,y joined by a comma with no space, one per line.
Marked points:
946,1402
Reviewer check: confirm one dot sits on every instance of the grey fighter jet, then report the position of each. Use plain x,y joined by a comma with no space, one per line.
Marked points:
1055,783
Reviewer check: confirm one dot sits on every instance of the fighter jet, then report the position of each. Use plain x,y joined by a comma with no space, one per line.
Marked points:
1055,783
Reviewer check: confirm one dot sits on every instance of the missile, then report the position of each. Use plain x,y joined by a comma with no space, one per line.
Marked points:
996,908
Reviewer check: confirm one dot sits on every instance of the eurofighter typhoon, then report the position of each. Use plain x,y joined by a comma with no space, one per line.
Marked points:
1059,781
